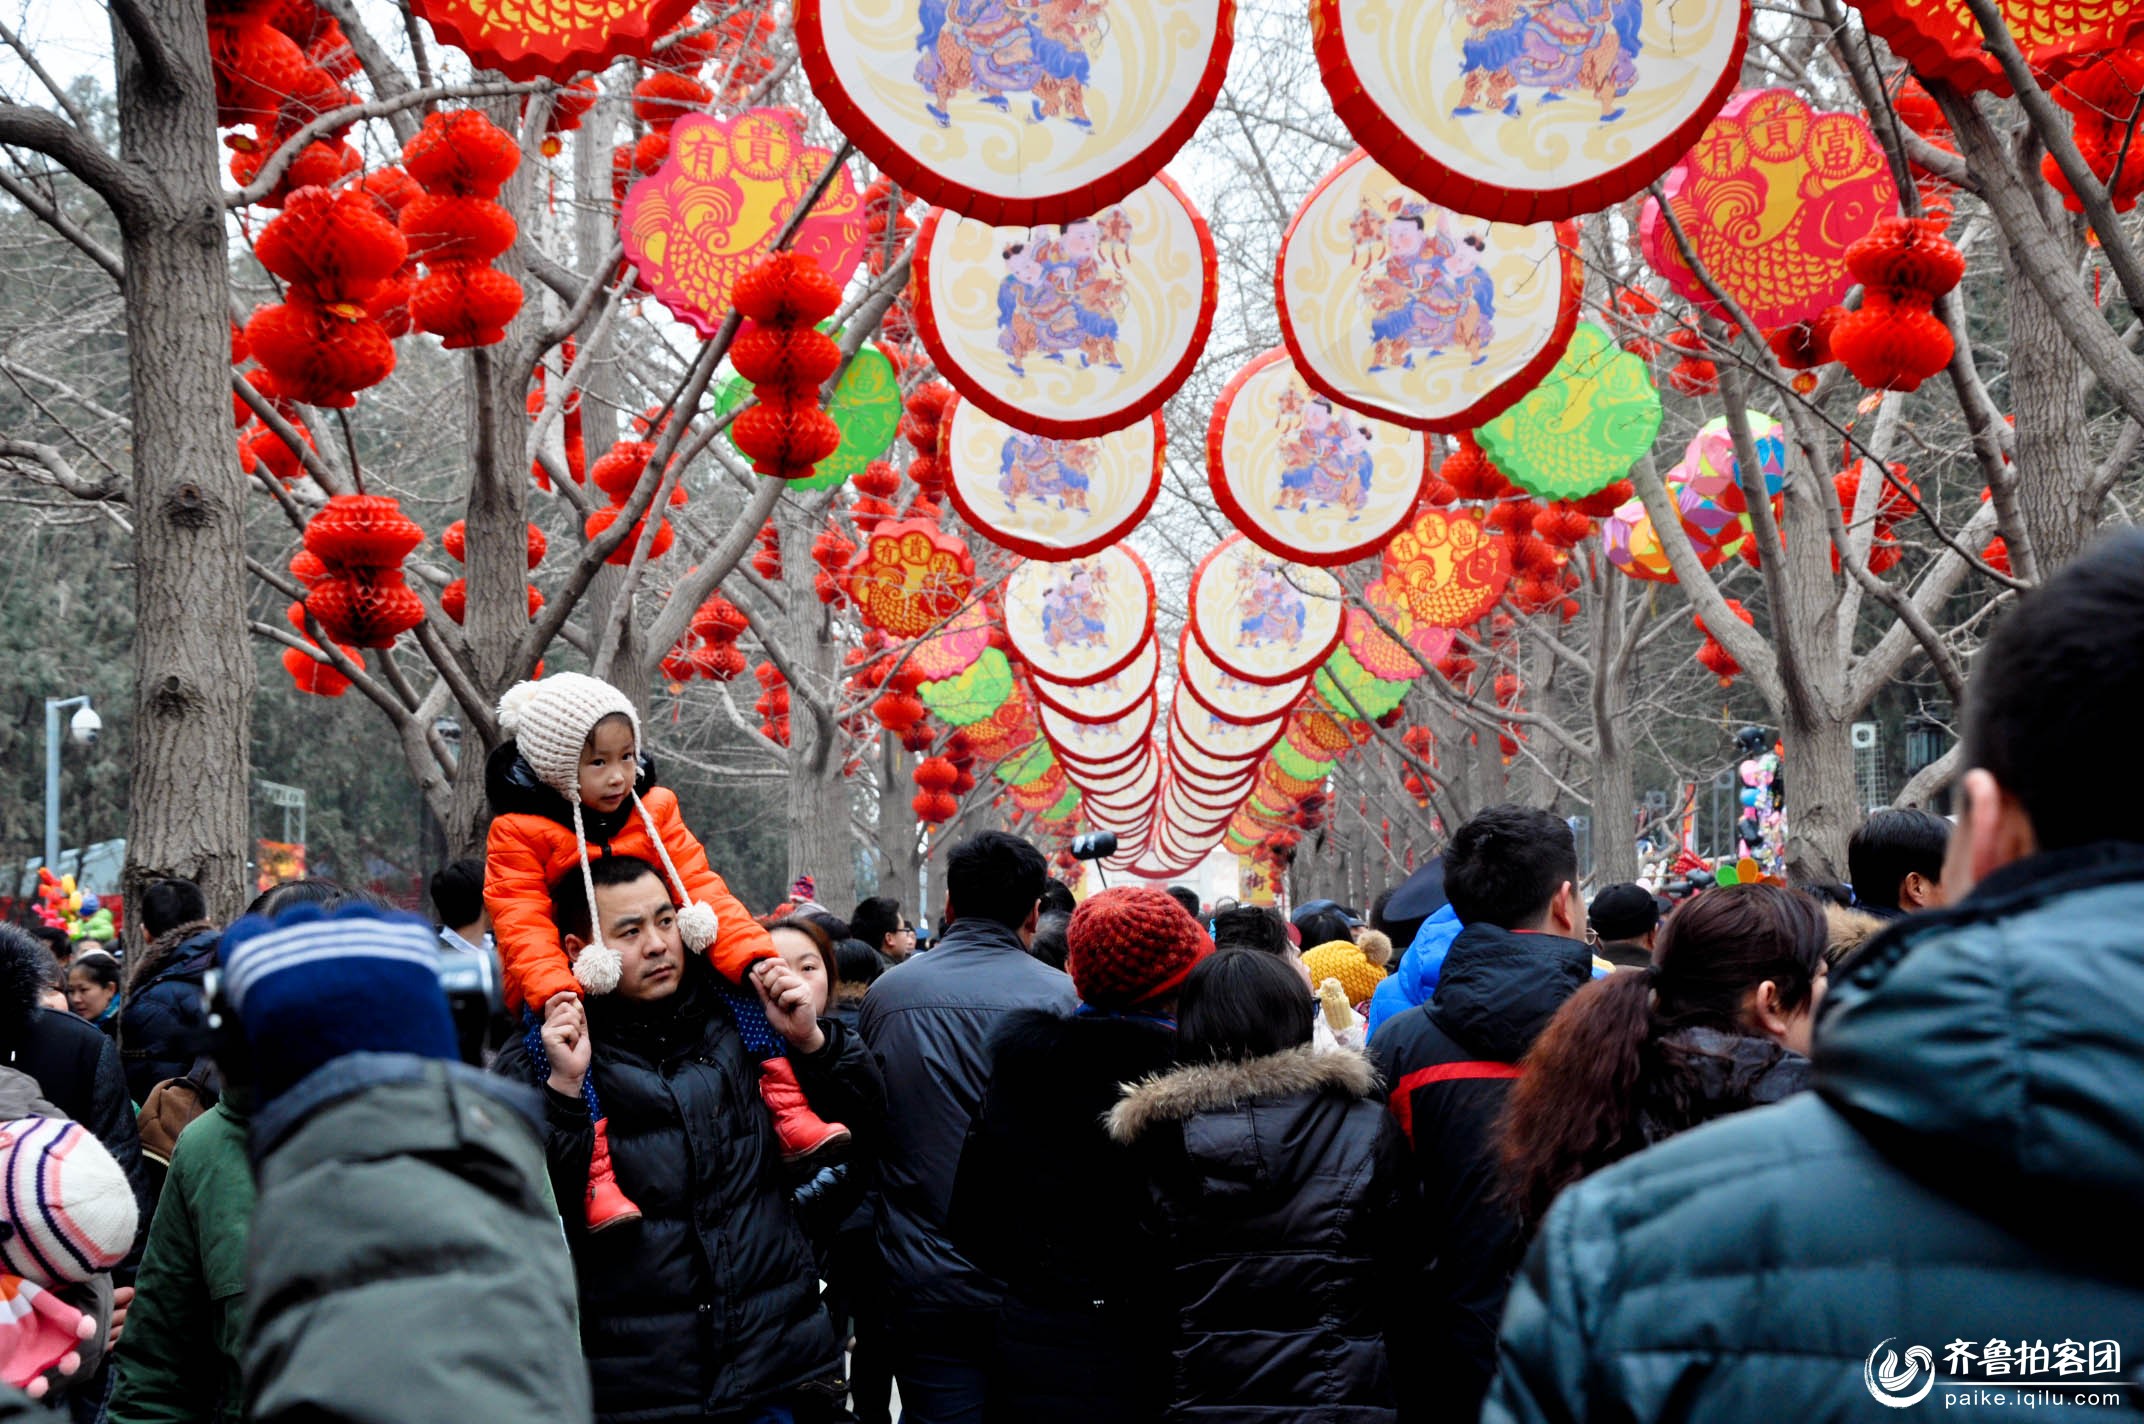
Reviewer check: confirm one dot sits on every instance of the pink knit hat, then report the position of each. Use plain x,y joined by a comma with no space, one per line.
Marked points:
69,1211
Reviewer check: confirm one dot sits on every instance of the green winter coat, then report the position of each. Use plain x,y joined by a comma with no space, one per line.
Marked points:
404,1267
1968,1170
179,1361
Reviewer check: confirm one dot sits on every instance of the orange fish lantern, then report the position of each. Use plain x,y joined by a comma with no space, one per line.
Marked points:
1447,568
551,39
1942,40
1770,197
909,578
710,213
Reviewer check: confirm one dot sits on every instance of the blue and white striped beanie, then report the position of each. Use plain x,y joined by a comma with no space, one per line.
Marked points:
68,1212
312,985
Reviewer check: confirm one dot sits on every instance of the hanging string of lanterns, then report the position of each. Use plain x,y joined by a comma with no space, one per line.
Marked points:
333,250
1896,341
360,597
787,359
457,228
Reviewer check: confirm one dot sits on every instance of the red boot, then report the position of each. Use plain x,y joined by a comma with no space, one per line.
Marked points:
800,1130
608,1205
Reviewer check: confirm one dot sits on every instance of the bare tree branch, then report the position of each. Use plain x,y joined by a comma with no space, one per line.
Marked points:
129,192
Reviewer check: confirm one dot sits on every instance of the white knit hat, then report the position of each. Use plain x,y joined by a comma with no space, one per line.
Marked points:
550,722
69,1212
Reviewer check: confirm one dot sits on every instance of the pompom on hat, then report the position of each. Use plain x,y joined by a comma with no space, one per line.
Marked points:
551,721
1131,945
70,1213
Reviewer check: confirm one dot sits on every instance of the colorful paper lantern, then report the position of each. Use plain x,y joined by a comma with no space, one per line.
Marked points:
551,39
1351,692
1072,330
1082,620
1633,545
697,224
1223,694
865,409
1581,428
1770,197
1419,644
1527,113
1261,617
1027,117
971,695
1050,497
1108,699
953,649
1304,478
1446,568
909,578
1417,314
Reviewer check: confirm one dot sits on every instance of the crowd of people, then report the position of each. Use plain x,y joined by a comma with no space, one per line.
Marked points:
600,1144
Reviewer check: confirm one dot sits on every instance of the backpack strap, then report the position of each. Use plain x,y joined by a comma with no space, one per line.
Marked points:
1475,1070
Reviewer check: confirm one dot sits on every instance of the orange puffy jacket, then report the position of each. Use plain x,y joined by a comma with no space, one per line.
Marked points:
529,851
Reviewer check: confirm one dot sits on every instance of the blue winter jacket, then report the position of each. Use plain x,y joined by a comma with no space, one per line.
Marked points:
1416,978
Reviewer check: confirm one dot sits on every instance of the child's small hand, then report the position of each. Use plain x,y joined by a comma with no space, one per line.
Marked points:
788,1002
566,1043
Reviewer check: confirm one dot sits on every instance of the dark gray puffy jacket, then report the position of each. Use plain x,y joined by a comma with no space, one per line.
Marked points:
1968,1170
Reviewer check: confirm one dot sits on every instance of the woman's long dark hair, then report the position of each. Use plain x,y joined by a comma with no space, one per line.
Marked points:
1239,1004
1604,1057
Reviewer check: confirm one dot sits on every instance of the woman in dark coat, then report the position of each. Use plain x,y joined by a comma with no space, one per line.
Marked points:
163,1020
1278,1184
1047,1203
1719,1023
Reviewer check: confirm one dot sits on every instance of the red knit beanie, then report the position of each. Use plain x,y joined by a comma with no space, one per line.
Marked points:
1130,945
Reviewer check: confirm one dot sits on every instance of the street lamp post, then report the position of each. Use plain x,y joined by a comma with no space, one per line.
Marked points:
84,727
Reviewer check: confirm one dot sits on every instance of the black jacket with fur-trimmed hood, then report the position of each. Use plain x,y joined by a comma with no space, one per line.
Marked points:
1279,1185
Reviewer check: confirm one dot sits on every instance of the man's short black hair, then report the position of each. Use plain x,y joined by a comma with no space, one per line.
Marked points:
1057,898
570,909
1187,897
167,904
994,875
875,918
1504,866
1053,938
1251,927
1889,846
837,929
458,893
1324,927
2054,697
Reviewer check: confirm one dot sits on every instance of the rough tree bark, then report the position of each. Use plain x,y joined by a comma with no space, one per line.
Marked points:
189,789
1615,850
819,840
898,861
2047,397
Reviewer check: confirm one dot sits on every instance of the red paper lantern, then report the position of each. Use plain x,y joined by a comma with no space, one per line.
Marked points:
368,607
337,246
936,774
362,531
934,807
461,152
314,676
785,439
788,289
602,519
444,227
466,304
794,360
320,355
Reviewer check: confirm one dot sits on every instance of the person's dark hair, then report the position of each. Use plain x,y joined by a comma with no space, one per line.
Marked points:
1504,866
874,919
27,968
277,898
1052,943
1323,927
570,907
811,929
55,940
1890,845
100,967
2053,692
168,904
996,876
1606,1063
860,966
833,926
1831,892
1400,932
458,893
1057,898
1241,1003
1251,927
1187,897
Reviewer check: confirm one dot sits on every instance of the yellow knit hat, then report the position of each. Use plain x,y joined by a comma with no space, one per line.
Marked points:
1340,959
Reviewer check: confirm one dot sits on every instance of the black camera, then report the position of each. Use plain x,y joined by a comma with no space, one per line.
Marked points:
1094,845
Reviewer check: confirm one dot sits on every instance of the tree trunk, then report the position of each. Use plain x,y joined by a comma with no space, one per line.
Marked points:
2047,385
820,844
1821,806
190,784
897,859
1615,848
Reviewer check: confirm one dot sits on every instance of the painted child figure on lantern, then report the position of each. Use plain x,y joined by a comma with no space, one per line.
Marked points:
1073,608
997,48
1041,468
1581,46
1273,610
1056,297
1325,462
572,773
1430,293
